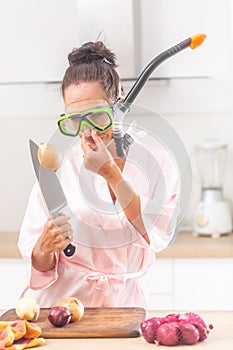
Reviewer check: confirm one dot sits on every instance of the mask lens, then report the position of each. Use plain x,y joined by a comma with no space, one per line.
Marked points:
70,126
101,119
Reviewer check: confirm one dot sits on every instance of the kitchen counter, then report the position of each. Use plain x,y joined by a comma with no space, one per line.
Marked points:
221,337
8,245
185,245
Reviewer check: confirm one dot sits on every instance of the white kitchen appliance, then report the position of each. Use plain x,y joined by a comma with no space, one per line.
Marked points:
213,215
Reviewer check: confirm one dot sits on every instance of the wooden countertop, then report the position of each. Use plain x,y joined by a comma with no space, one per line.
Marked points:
221,337
8,245
185,245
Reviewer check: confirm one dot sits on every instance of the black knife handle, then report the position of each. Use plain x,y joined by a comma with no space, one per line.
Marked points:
69,250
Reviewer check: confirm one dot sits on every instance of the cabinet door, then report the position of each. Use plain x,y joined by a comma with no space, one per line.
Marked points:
203,284
36,37
14,278
158,285
112,22
165,23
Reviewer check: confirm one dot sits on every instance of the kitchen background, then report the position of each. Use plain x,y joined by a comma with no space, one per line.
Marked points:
193,90
195,95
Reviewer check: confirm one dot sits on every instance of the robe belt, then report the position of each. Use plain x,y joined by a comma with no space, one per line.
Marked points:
104,282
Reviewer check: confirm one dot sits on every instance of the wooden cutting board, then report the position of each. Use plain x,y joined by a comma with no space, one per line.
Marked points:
96,323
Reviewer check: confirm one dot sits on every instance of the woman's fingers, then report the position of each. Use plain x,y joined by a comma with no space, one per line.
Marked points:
85,147
96,137
63,226
56,235
60,220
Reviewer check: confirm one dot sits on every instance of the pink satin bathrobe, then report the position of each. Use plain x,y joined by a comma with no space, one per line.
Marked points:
111,256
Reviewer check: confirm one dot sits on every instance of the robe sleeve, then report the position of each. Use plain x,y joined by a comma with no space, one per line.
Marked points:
159,197
160,208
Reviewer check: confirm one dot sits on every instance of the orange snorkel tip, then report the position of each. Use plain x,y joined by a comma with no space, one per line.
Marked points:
197,40
192,42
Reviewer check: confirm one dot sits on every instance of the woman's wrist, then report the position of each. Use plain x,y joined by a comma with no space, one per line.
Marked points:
41,260
111,172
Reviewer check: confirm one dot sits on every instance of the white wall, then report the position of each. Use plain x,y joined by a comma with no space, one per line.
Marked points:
196,108
31,112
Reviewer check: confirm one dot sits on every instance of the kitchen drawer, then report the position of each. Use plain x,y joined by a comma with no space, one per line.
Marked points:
14,277
159,278
203,284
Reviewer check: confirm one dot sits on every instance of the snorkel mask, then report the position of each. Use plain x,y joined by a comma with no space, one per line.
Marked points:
95,114
120,109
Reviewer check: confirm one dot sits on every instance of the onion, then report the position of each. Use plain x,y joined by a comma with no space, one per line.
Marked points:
75,307
59,316
175,328
49,156
189,334
171,318
149,328
167,334
200,324
28,309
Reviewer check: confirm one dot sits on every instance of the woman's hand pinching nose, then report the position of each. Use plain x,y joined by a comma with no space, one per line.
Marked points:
99,159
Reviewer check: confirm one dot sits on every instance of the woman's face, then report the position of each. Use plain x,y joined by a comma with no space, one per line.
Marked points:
85,96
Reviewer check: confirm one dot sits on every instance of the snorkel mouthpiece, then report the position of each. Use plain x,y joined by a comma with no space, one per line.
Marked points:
120,109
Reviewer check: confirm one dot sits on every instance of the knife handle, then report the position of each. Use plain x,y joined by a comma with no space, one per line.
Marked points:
69,250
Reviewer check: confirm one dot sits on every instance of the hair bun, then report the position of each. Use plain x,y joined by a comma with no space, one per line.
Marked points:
90,52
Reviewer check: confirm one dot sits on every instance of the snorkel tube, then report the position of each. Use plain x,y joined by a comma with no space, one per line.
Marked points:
120,109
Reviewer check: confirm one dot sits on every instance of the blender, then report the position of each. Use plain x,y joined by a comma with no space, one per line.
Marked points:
213,215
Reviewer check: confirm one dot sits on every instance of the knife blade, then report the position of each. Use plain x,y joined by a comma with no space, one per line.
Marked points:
51,189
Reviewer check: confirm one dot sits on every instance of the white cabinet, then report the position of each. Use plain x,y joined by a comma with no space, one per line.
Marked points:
170,284
112,22
165,23
36,37
158,284
203,284
190,284
14,278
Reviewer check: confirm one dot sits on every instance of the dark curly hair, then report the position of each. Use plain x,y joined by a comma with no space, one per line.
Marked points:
93,62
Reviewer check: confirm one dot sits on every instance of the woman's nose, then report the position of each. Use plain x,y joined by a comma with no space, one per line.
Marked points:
86,130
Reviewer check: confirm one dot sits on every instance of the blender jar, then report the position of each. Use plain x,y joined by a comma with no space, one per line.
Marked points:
211,156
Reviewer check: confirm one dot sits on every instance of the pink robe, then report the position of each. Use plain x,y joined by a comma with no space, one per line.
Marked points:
111,256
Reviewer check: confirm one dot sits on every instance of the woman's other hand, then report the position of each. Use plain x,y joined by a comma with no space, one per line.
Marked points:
97,159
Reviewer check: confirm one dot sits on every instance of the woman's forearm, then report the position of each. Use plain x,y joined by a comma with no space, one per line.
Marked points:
128,199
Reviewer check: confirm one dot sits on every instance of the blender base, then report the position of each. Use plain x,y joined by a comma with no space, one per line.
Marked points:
212,235
212,219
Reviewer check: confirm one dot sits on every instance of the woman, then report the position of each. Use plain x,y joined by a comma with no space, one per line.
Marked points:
121,221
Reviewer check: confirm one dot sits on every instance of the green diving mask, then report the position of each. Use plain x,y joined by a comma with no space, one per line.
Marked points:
101,119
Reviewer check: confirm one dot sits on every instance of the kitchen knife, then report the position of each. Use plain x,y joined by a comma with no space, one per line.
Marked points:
51,189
